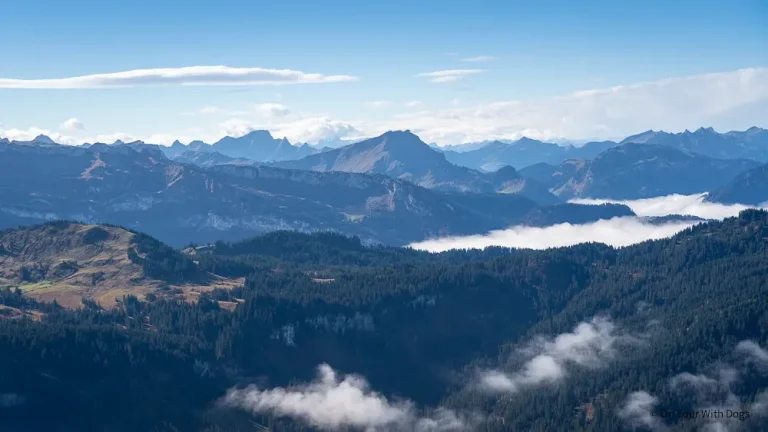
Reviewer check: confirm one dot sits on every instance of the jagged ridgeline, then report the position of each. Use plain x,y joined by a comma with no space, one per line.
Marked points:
416,325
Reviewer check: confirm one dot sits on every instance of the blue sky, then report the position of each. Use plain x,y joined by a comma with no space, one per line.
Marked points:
536,56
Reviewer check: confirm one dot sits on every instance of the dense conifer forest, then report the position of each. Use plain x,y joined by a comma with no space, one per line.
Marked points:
417,326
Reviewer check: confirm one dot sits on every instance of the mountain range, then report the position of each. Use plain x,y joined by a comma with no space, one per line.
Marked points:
749,144
137,186
403,155
524,152
632,171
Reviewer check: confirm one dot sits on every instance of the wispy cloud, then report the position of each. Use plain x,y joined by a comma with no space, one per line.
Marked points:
332,403
378,104
211,110
451,75
710,392
272,110
477,59
638,411
413,103
753,352
590,345
192,75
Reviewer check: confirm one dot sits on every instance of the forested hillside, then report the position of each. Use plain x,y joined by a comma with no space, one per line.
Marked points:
434,329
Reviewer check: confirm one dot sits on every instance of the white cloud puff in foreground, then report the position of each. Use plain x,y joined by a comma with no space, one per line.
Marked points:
192,75
638,411
590,345
692,205
331,403
617,232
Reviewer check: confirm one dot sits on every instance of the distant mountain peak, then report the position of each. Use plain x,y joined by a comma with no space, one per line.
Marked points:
45,139
118,142
176,143
260,133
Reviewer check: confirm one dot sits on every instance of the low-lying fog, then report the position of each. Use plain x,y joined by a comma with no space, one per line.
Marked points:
622,231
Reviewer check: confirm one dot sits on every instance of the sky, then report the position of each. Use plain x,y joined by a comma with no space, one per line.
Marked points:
452,72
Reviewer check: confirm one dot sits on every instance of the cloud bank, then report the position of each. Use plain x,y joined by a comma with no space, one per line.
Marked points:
692,205
589,345
616,232
330,403
192,75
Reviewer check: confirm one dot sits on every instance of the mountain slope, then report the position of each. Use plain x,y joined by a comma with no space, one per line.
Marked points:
402,155
669,299
208,159
632,171
70,261
750,187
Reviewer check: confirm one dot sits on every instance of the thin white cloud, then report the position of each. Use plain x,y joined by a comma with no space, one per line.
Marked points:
617,232
447,76
753,352
72,124
450,72
638,411
477,59
447,79
331,403
192,75
272,110
590,345
378,104
413,103
211,110
693,205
